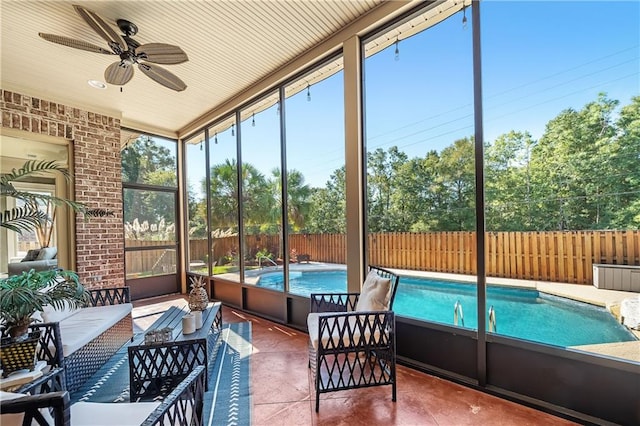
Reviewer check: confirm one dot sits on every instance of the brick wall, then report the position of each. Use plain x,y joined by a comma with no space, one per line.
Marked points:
98,182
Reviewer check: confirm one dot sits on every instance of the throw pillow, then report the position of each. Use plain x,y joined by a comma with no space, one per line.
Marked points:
31,255
47,253
375,294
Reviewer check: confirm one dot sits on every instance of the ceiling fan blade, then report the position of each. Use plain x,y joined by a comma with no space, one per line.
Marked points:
78,44
162,76
103,29
118,73
160,53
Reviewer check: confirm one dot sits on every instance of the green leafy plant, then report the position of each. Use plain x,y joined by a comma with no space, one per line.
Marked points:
30,216
23,295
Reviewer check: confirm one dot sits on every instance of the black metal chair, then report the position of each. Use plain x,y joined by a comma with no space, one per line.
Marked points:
350,347
45,402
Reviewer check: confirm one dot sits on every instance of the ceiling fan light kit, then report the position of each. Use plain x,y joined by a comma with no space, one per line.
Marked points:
130,52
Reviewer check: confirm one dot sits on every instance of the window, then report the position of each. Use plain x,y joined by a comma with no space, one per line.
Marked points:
149,172
262,190
420,164
316,175
561,163
223,190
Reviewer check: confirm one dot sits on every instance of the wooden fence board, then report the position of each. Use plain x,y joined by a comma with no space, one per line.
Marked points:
547,256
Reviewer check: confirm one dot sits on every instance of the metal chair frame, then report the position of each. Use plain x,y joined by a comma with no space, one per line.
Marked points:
355,349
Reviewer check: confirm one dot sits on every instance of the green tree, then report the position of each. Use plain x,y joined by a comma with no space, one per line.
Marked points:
146,161
508,182
328,206
382,169
571,168
456,187
625,159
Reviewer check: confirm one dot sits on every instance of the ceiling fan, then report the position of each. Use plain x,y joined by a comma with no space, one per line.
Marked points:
130,51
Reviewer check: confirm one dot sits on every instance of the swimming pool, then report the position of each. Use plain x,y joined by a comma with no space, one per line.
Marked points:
522,313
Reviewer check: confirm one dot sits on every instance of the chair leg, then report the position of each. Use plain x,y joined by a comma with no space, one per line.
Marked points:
317,383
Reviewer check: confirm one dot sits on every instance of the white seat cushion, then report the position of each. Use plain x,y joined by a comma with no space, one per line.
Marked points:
313,320
88,323
51,314
112,414
375,294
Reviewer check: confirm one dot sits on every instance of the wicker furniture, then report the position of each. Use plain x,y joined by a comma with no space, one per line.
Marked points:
151,366
80,363
46,393
351,347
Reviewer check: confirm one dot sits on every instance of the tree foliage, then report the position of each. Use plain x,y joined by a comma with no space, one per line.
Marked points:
582,173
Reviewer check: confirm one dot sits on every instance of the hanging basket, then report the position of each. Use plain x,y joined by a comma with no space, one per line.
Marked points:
18,354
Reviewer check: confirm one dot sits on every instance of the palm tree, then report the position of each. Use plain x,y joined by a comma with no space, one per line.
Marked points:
298,201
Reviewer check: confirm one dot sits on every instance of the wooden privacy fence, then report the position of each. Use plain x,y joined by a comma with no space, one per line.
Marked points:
565,256
149,262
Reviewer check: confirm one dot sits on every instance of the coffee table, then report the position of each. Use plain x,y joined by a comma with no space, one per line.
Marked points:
155,368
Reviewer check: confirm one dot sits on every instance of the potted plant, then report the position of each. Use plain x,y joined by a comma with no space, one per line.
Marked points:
21,296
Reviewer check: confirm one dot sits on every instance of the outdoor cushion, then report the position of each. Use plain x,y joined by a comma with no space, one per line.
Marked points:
313,320
116,414
50,314
88,323
31,255
47,253
375,294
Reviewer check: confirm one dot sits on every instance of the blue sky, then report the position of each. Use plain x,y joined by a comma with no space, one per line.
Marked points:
538,59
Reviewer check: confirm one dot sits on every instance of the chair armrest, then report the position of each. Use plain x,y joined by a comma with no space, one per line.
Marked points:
109,296
53,381
356,330
50,344
184,405
333,302
30,405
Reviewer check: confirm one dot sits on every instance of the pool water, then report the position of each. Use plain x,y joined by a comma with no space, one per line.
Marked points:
522,313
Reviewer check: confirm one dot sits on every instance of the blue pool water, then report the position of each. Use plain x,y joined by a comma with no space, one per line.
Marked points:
523,313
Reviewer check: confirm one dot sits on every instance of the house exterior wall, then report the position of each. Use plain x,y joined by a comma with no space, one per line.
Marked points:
97,178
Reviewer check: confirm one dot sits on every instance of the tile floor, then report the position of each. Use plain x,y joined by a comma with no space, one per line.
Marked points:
282,389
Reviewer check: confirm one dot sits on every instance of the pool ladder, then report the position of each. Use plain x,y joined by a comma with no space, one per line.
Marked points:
493,328
261,258
458,314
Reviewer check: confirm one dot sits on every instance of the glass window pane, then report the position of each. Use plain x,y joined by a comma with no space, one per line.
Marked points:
261,190
561,166
149,218
150,160
315,180
223,189
420,168
198,260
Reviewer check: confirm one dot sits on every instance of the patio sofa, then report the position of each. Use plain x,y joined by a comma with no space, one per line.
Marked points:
42,259
82,340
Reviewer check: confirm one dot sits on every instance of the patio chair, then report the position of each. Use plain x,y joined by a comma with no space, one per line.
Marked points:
42,402
352,336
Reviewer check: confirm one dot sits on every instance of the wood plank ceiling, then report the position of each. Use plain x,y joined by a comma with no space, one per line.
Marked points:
231,45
